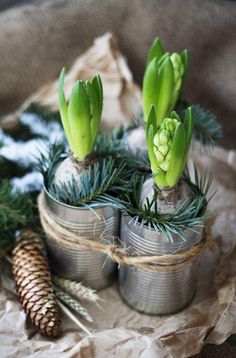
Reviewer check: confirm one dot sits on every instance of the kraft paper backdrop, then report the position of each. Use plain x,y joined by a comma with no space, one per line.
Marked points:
120,331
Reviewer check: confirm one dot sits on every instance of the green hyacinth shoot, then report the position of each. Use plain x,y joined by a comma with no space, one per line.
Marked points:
168,146
163,80
81,117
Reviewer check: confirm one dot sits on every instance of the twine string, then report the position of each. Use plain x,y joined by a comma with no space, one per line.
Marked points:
118,254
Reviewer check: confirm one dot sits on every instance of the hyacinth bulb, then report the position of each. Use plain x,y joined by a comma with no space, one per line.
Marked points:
168,146
163,80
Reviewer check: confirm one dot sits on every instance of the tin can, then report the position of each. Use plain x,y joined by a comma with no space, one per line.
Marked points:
152,291
92,268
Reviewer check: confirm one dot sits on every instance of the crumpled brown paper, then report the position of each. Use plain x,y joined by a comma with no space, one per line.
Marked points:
121,95
120,331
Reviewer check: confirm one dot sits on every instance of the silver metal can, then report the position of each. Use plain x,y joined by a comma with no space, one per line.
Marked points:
92,268
152,291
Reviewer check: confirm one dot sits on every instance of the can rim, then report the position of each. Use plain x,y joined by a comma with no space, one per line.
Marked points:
56,201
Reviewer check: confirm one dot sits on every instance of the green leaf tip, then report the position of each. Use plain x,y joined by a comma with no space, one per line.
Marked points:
163,80
81,118
168,145
156,50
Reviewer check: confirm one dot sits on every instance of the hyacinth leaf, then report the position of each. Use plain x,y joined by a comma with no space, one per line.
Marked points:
156,170
151,128
168,72
94,119
160,178
185,59
165,89
150,85
156,50
175,115
84,115
95,111
63,106
79,117
149,137
163,58
96,87
96,98
177,153
98,82
188,128
151,121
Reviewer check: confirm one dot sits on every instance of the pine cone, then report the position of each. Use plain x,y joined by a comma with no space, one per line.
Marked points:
33,283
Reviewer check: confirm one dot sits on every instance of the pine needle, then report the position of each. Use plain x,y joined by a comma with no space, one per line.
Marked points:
15,211
191,218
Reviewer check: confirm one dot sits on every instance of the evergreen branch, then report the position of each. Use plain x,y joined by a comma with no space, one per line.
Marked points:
15,211
48,160
136,121
76,289
11,169
100,178
191,217
43,112
75,305
115,145
206,127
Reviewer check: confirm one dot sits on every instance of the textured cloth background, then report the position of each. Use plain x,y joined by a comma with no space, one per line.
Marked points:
37,40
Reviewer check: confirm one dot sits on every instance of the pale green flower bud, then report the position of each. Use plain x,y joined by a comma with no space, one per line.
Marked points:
159,156
163,149
170,126
164,136
164,166
156,140
174,136
162,142
178,65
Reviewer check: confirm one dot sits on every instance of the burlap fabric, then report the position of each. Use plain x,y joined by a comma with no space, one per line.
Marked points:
36,40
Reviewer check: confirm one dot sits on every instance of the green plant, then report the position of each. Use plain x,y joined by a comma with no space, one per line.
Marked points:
102,180
98,183
15,212
192,217
168,146
163,80
206,127
82,116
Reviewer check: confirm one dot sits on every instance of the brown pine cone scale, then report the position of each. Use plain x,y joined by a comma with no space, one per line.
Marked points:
33,283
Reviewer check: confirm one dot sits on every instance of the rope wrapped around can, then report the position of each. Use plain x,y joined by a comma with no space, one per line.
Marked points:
115,252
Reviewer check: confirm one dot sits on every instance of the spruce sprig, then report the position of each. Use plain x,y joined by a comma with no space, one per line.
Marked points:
98,182
15,212
114,161
206,128
191,217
